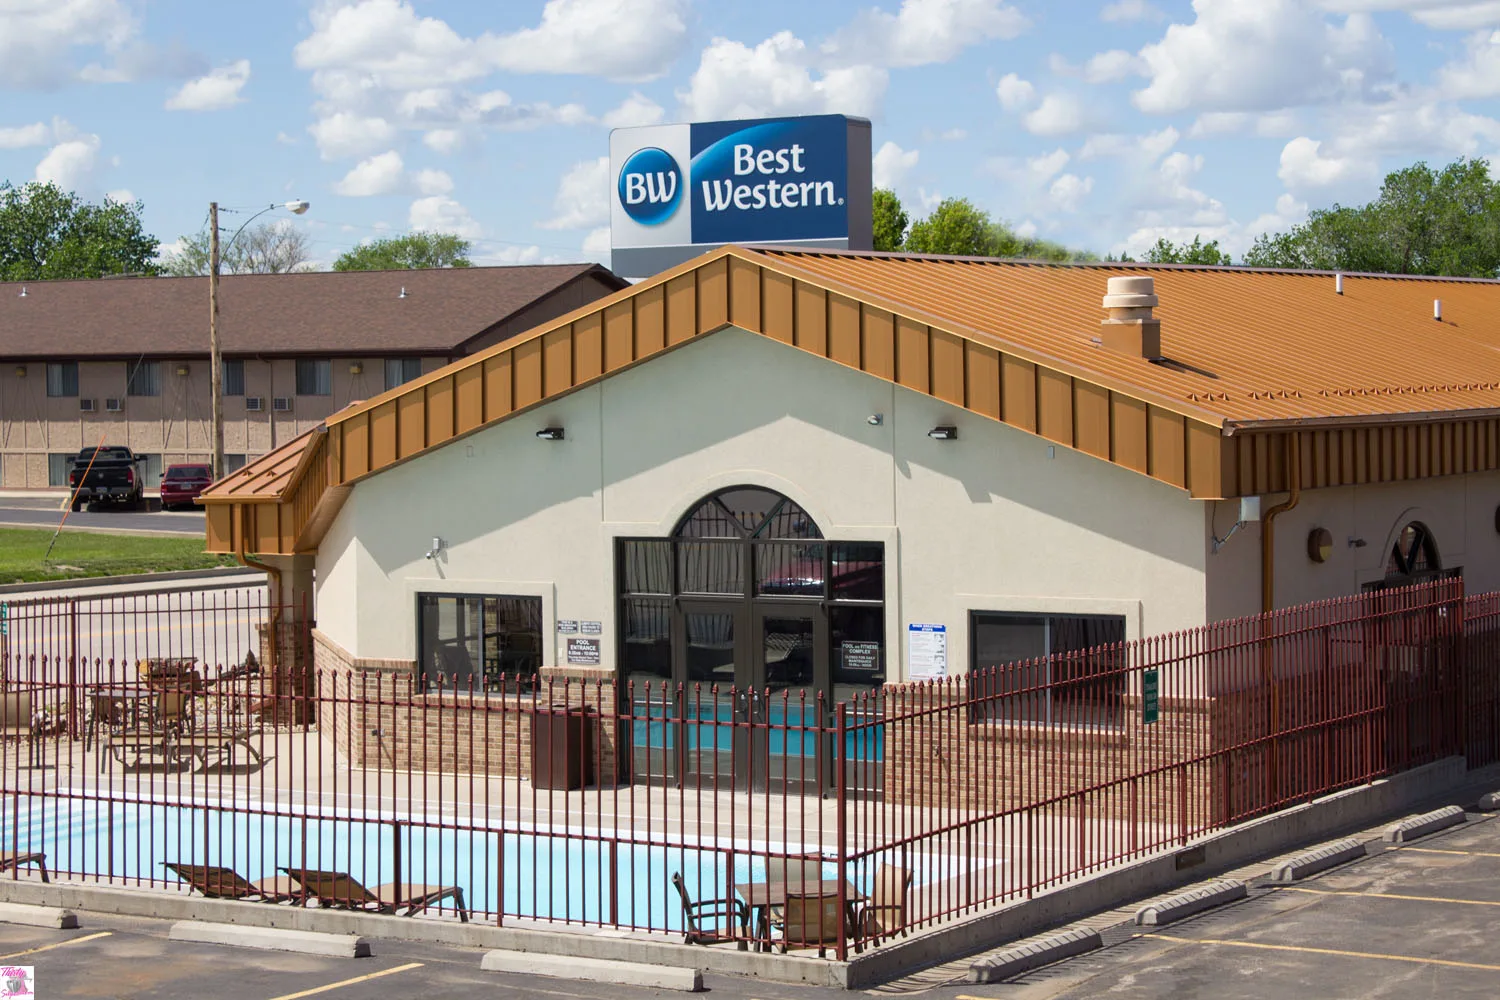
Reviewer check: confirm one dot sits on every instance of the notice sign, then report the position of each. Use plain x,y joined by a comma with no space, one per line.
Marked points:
864,656
583,652
591,628
567,626
927,651
1150,696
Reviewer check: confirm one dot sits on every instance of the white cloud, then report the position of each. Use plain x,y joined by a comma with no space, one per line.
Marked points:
1069,191
383,174
218,90
343,134
443,140
1444,15
441,214
619,39
1271,125
923,32
1130,10
24,136
597,243
1112,66
582,196
954,135
891,164
1289,212
123,196
71,163
1250,55
776,77
429,181
285,140
1477,74
1014,93
1058,114
1146,148
637,109
1047,165
37,36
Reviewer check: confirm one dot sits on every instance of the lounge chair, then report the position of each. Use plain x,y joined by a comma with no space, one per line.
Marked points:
226,883
713,911
340,890
15,859
885,913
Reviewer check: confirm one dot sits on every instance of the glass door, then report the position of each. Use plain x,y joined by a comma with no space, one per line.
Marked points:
710,648
778,743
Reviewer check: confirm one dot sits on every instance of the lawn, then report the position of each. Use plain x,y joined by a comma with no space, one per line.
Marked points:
87,553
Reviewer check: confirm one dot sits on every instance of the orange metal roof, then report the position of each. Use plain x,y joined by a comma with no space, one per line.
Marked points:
268,476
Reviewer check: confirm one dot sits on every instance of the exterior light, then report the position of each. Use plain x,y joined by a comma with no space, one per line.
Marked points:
356,368
1320,545
183,369
297,207
945,432
550,434
20,371
875,419
1359,543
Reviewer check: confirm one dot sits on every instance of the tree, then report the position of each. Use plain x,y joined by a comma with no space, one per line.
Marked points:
890,220
46,232
1444,222
958,227
1196,252
413,250
269,248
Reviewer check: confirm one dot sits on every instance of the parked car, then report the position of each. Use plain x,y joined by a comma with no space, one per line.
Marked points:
111,476
181,485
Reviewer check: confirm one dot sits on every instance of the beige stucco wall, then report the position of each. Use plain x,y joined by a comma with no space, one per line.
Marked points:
175,424
995,520
1459,510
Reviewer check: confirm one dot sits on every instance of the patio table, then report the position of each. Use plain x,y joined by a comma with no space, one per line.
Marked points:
762,897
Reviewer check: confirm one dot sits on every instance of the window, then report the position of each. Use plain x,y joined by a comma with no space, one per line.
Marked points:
476,640
142,378
234,378
233,463
152,470
57,469
62,379
1067,669
401,370
314,378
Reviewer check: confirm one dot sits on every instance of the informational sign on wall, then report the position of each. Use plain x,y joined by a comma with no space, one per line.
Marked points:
583,652
863,657
567,626
591,628
1150,696
927,651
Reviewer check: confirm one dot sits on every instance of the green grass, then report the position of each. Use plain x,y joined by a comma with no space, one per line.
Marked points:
87,553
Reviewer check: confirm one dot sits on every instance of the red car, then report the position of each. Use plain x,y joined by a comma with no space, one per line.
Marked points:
182,484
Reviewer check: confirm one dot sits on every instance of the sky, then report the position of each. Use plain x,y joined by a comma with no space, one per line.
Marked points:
1104,124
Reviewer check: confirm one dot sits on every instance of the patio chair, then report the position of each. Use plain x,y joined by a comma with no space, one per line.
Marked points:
106,712
711,921
339,890
16,721
885,913
226,883
800,875
15,859
172,712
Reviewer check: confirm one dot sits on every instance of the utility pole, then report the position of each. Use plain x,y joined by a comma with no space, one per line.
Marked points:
215,364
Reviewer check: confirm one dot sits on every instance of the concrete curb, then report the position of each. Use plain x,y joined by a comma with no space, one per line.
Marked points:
38,916
206,579
1033,954
1185,904
1317,860
1420,826
594,970
1489,802
271,939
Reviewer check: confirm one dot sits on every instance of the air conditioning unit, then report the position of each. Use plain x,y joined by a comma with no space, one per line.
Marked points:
281,404
87,405
114,404
254,404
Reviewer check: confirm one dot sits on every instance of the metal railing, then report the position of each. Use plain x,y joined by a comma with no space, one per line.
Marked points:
151,730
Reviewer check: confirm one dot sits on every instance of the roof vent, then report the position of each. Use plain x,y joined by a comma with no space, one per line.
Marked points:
1338,284
1132,328
1437,310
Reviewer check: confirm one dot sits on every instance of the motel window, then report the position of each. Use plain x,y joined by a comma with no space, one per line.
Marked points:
314,378
62,378
142,378
57,469
399,371
479,639
1064,669
233,463
234,378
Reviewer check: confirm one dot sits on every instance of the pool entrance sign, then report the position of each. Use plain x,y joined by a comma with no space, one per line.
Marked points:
1150,696
680,190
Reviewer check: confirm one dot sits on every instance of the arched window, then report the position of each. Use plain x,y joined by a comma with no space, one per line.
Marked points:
748,512
1414,557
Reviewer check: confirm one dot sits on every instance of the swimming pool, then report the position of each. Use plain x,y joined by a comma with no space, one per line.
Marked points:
561,875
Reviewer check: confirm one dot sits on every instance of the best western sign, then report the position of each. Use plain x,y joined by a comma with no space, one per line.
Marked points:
681,189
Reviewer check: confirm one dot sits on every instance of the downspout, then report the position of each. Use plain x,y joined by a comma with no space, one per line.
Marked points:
273,578
1268,524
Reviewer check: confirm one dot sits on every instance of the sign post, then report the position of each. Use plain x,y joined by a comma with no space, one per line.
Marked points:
1150,696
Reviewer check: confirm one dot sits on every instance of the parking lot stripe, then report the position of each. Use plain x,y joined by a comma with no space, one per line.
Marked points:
1390,895
56,944
1261,946
350,982
1467,854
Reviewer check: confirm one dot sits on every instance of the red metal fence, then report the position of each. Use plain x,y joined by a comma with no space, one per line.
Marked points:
195,730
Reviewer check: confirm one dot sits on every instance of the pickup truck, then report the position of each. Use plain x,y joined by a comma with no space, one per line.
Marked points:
113,477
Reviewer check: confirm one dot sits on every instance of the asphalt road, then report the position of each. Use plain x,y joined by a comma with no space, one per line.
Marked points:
46,512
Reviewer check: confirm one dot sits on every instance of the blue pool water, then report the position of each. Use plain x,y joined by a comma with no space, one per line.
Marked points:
709,725
546,875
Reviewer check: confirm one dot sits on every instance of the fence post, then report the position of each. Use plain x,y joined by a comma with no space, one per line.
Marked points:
73,721
840,764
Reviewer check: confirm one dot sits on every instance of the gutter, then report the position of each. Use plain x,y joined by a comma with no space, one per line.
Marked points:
1232,427
1268,525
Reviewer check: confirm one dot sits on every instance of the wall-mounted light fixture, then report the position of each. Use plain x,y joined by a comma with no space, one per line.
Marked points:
437,546
1359,543
875,419
944,432
20,371
550,434
356,368
1319,545
183,369
1249,514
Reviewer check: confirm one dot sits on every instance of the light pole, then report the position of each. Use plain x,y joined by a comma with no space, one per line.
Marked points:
215,362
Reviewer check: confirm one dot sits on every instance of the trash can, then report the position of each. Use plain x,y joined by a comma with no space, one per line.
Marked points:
562,747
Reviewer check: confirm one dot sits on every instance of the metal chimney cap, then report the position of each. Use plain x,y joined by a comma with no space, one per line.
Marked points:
1131,292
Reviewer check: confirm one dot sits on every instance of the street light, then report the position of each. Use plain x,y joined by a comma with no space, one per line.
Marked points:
215,362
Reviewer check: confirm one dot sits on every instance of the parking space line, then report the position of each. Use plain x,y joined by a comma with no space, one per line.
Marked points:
1467,854
350,982
1261,946
1389,895
56,944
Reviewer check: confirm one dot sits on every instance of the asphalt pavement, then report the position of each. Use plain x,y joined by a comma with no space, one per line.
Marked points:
46,512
